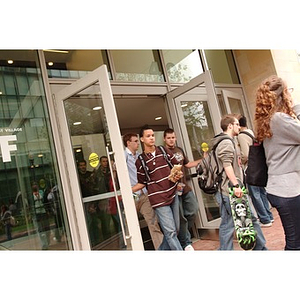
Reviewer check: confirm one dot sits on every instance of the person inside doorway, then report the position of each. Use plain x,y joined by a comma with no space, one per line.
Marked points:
103,178
153,172
5,219
86,179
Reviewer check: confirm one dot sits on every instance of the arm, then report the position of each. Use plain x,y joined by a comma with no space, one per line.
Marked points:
244,142
137,187
226,156
286,127
231,176
192,164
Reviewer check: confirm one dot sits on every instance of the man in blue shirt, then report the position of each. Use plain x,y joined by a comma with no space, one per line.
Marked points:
143,206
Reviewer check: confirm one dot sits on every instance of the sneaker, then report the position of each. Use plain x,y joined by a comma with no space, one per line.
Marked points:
189,248
266,225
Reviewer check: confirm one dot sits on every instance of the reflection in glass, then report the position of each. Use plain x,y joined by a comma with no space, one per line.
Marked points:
200,130
97,174
137,65
222,65
182,65
29,181
235,106
73,63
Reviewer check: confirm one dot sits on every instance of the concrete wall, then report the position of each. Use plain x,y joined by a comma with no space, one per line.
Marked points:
256,65
253,67
288,67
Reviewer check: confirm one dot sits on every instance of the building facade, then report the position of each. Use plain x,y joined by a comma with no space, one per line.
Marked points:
60,108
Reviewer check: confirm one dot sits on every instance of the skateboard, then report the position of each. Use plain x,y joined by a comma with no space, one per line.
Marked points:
242,218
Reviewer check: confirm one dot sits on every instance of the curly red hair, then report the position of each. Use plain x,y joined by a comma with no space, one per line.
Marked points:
271,96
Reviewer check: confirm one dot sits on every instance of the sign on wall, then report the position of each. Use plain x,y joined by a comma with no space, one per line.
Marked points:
6,146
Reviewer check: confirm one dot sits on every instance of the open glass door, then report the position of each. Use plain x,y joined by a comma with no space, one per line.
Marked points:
99,181
197,121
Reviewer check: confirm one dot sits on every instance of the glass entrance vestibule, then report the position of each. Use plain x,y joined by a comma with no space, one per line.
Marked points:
81,124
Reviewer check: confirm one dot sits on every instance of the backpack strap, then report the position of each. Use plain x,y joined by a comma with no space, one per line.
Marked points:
163,150
249,134
144,165
223,137
141,158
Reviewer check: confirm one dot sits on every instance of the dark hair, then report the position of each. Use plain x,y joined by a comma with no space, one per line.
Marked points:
81,161
127,137
144,128
243,121
103,156
168,130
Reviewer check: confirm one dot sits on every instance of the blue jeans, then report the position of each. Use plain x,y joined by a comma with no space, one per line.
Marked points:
168,218
261,204
188,207
289,212
226,229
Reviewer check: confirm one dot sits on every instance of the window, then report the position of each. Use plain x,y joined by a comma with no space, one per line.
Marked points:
29,182
73,63
222,65
137,65
182,65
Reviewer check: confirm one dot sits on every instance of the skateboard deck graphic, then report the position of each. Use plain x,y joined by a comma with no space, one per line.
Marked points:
242,218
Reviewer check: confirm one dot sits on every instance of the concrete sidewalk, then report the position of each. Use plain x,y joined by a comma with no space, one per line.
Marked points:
274,236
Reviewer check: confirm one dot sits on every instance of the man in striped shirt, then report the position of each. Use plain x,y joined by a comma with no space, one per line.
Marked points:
131,143
161,191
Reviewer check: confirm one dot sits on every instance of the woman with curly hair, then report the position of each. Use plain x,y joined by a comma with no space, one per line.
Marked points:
277,126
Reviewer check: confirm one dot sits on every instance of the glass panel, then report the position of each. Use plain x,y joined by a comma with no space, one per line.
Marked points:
232,100
198,122
97,174
29,180
222,65
200,130
137,65
74,63
235,106
182,65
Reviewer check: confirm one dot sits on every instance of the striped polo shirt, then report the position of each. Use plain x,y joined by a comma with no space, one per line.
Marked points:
161,191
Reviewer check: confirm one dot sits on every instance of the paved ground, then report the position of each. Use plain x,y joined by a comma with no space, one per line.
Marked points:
274,236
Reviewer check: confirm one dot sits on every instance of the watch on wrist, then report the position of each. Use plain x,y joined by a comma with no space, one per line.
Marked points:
236,185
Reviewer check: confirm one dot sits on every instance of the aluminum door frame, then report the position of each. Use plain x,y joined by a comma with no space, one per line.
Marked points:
70,182
182,136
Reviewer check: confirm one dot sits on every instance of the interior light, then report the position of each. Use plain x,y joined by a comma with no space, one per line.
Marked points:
184,105
76,123
10,61
40,155
0,93
97,107
158,118
56,51
78,150
50,63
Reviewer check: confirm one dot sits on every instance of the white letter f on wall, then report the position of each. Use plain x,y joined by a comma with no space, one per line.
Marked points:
6,148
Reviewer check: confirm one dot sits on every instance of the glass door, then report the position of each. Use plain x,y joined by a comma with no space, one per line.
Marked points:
197,121
101,192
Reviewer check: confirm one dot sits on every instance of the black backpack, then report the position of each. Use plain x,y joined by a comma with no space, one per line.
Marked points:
209,173
257,170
